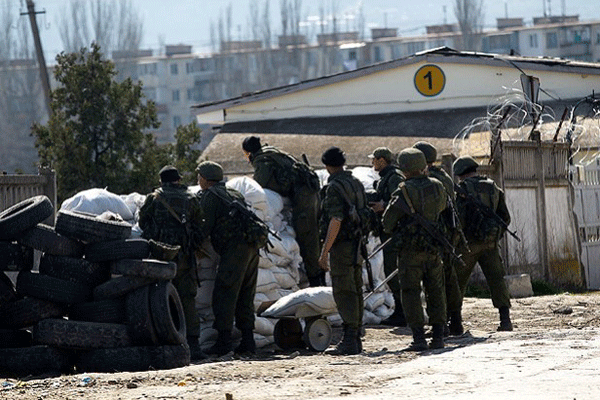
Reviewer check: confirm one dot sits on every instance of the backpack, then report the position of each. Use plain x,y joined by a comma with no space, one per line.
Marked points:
292,171
362,219
479,226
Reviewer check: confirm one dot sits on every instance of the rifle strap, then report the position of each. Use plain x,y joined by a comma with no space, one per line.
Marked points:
169,208
407,198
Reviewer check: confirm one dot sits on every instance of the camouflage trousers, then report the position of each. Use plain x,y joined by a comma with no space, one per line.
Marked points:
305,221
186,283
346,281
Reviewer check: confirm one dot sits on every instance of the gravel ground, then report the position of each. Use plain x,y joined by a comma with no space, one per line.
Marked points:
553,353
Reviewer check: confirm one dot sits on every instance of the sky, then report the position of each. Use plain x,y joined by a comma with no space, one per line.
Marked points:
188,21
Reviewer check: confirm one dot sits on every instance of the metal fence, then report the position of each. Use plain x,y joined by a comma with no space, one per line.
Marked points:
16,188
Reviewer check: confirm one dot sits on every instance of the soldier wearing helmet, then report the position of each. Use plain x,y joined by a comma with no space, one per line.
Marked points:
418,253
483,234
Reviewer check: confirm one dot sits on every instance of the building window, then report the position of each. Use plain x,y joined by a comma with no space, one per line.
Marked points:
377,56
174,69
415,47
176,95
551,40
352,55
176,121
533,40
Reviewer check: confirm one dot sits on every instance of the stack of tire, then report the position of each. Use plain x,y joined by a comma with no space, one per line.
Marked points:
97,304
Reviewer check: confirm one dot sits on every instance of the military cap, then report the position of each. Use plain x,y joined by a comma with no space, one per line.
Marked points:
463,165
251,144
211,171
382,152
428,149
411,159
169,173
334,157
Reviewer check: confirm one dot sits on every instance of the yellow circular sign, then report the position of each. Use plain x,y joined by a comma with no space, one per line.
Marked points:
430,80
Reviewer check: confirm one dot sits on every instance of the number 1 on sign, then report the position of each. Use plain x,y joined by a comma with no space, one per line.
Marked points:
430,80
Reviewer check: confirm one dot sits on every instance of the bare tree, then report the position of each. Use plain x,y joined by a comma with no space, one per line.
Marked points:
266,25
115,25
469,14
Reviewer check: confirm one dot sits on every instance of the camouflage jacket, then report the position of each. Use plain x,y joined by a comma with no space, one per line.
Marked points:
273,169
391,177
157,222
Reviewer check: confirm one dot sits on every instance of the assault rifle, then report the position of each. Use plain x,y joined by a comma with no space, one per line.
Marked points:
431,229
456,221
241,207
487,211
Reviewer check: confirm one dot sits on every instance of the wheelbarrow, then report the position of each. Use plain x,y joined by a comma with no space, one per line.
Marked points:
312,331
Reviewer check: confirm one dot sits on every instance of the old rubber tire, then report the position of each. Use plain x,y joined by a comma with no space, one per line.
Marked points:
12,338
28,311
120,286
52,289
117,250
35,360
109,311
288,334
24,215
139,358
75,270
14,257
90,229
80,335
167,313
139,319
44,238
161,270
7,290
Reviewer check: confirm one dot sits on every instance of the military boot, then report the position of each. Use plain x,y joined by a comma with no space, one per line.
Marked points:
196,353
505,323
437,340
348,345
419,343
397,318
317,280
247,344
455,326
222,346
359,334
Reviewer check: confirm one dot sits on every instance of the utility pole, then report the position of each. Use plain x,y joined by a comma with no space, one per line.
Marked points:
40,54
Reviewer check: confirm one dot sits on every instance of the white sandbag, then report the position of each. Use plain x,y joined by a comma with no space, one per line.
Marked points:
376,300
207,261
266,281
253,194
335,319
264,261
98,201
285,278
366,176
383,311
208,335
389,299
323,176
204,294
264,326
134,201
274,203
277,294
277,223
206,313
286,247
136,231
370,319
262,341
259,298
304,303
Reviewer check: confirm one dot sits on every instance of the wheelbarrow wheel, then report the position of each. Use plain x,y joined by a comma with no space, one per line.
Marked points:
288,334
317,334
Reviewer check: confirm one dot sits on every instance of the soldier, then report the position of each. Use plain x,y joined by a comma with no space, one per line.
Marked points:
172,215
276,170
341,244
452,226
391,177
483,233
418,254
235,283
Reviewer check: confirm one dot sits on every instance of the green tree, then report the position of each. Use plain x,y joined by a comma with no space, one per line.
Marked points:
96,135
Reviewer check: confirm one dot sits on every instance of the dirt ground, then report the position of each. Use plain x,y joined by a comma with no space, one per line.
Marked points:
553,353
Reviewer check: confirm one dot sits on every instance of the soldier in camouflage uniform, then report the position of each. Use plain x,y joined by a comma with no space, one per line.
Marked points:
235,283
418,254
159,223
273,169
452,226
483,234
341,246
391,177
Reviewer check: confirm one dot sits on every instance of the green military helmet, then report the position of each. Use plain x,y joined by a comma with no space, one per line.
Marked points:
411,160
464,164
428,149
211,171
